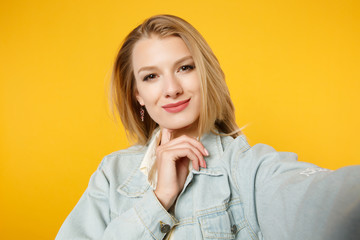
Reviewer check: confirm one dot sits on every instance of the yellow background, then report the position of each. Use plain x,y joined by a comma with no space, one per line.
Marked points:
292,68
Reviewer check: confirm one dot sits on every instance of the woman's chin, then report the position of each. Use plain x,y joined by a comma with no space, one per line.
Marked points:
176,127
184,128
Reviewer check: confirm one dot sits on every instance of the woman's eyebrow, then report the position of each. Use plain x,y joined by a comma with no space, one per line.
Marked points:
147,68
176,63
183,59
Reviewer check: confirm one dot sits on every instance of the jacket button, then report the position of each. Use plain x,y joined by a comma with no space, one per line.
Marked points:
164,228
233,229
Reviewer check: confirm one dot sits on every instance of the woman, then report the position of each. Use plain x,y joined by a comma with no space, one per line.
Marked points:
192,174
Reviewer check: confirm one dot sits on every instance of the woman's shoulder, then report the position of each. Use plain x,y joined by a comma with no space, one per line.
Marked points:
127,158
244,157
240,145
131,150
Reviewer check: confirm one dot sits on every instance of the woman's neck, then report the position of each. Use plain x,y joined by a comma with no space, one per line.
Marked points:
191,131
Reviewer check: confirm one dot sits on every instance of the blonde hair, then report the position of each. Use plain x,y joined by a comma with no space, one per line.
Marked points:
217,113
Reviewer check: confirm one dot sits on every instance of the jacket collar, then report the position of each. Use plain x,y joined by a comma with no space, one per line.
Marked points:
136,184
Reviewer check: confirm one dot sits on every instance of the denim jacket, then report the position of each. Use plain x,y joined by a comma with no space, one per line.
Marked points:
244,193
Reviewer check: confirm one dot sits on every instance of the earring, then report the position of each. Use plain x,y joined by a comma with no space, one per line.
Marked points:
142,112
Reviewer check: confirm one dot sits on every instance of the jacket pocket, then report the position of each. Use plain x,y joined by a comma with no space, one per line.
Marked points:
221,224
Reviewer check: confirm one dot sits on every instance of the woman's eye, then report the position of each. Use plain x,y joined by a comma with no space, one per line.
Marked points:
186,68
149,76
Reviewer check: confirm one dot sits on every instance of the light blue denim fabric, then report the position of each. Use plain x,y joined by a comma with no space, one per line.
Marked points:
244,193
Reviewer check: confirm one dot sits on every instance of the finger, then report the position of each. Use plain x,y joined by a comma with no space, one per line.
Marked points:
192,141
194,149
165,136
195,163
193,158
182,170
177,154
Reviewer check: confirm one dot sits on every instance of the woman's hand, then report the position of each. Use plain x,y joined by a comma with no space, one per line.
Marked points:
172,162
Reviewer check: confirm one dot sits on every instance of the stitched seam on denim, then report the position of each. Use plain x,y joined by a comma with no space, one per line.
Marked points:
219,145
225,143
136,194
215,233
241,225
216,209
242,150
246,144
173,219
219,237
186,219
184,223
220,149
129,178
137,213
227,235
126,183
233,173
250,230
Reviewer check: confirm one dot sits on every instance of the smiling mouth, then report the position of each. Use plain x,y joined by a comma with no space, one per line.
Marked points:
176,107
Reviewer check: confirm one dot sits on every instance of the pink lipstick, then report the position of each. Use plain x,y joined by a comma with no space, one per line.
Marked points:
176,107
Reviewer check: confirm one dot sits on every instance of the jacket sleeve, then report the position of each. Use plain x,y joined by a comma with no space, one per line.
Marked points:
90,219
298,200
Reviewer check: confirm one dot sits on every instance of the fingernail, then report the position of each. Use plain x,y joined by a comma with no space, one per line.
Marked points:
204,164
206,151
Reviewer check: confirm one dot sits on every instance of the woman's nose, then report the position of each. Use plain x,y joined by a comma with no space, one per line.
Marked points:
172,87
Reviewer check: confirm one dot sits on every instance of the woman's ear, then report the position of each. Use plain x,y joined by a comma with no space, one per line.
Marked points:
139,98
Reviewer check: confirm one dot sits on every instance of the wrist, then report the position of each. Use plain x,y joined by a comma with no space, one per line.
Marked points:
165,199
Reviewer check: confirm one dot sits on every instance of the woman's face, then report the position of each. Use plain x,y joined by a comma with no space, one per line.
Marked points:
167,81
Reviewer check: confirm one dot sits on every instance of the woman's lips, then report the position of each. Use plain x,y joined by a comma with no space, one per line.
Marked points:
176,107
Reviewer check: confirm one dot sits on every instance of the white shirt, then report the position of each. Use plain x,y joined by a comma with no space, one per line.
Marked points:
148,167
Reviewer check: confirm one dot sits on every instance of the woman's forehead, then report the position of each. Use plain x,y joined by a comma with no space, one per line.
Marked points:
156,50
